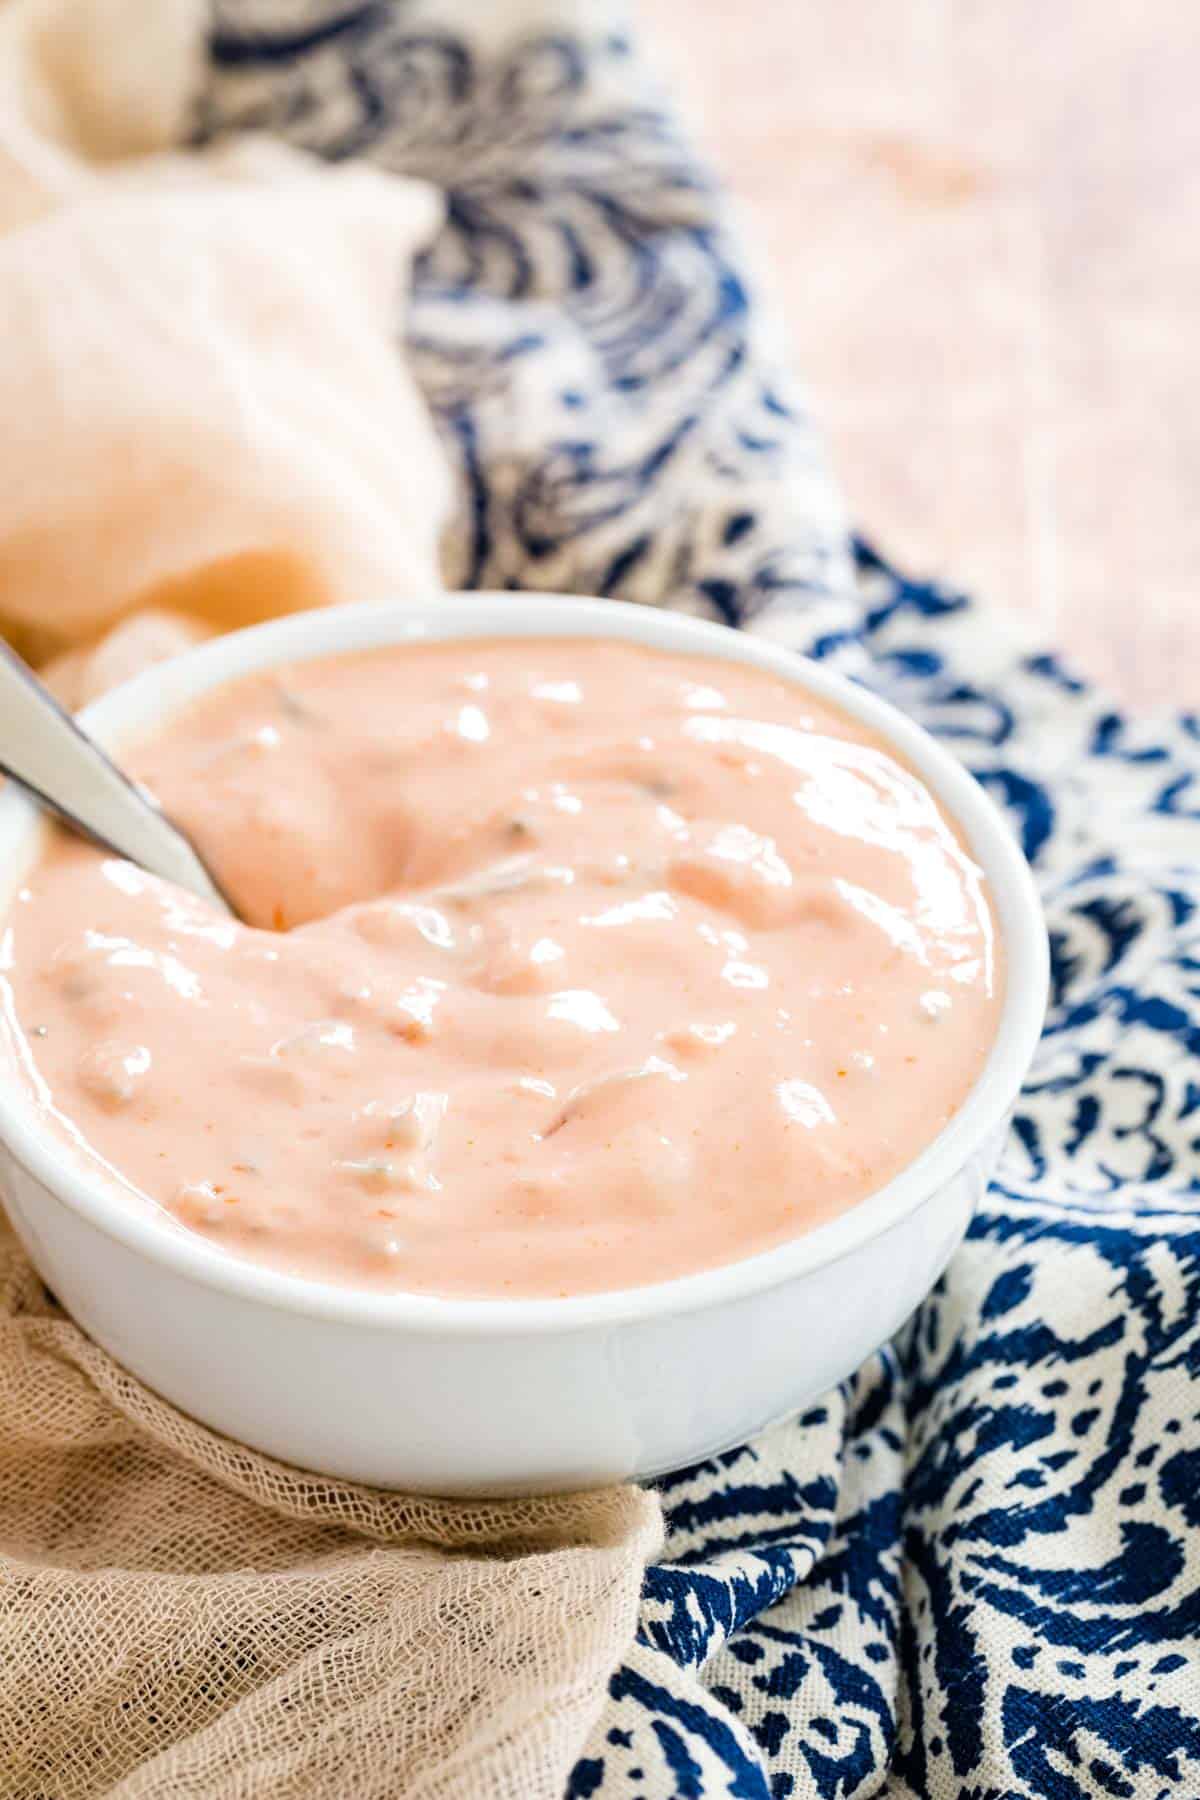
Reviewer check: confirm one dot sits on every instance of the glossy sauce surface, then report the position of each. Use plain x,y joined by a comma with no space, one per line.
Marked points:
574,966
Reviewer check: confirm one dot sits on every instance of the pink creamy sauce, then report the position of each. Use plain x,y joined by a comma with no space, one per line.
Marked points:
580,966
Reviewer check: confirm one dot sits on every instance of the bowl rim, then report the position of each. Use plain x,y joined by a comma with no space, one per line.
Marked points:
149,699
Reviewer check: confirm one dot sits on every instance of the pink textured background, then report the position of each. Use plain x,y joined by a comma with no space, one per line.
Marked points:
984,222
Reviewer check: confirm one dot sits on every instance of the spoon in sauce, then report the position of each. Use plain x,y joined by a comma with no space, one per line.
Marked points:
44,750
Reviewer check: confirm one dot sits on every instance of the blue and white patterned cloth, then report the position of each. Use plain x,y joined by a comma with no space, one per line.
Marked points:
974,1571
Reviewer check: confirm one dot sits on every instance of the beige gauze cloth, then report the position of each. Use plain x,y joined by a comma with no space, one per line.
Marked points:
204,409
205,419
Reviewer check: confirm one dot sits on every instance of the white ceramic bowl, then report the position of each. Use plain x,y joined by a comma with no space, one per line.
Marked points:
507,1396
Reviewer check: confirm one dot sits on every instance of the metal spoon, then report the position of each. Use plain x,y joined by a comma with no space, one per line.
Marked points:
43,748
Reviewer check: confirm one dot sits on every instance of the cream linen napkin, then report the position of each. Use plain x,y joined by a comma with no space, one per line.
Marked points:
204,408
206,420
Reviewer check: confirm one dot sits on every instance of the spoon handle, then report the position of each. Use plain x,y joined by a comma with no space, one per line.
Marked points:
43,748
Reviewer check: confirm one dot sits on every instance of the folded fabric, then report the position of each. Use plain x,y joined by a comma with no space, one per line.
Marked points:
181,1616
203,404
140,640
87,83
970,1570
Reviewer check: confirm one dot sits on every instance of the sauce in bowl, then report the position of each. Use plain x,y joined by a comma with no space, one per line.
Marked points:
573,966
